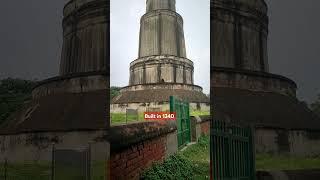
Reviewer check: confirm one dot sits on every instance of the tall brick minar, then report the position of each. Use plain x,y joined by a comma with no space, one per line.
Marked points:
162,68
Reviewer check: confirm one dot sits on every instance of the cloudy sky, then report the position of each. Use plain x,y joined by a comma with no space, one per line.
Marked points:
125,24
31,38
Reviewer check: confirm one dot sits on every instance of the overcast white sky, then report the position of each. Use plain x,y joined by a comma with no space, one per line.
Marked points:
125,25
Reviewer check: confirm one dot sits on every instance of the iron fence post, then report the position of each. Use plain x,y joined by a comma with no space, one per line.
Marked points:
5,168
89,162
53,162
126,116
253,152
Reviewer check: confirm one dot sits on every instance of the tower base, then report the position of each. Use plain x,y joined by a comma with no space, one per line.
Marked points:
155,97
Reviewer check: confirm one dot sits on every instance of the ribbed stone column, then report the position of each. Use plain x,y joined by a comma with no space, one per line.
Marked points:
161,30
84,37
162,51
240,33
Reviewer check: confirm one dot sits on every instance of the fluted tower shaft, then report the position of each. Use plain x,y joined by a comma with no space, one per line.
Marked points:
84,37
161,30
240,34
162,51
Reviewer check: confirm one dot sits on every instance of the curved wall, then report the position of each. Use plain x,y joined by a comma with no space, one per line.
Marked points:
84,37
162,86
161,32
161,69
240,32
161,4
79,83
253,81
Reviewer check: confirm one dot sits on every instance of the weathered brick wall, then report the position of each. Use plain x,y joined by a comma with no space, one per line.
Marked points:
135,147
130,163
199,126
205,127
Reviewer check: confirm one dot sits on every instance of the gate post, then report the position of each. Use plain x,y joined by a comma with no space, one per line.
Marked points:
52,161
172,107
252,152
181,108
89,162
5,168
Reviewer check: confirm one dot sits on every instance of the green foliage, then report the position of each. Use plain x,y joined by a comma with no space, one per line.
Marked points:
114,91
192,163
13,94
315,106
42,171
175,167
120,118
28,170
199,113
285,162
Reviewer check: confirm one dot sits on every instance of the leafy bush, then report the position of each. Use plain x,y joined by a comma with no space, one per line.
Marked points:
192,163
114,91
175,167
13,94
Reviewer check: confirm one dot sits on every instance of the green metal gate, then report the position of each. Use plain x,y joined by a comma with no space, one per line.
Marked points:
232,152
181,109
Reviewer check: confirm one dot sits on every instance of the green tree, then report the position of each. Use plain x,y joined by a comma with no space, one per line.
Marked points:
315,106
114,91
13,94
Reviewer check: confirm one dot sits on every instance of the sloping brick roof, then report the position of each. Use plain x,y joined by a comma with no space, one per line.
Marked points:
61,112
263,109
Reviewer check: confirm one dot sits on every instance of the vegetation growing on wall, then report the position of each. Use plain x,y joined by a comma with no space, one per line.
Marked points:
114,91
13,94
193,163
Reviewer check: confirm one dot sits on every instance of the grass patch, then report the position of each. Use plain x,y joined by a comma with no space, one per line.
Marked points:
282,162
41,171
193,163
120,118
199,113
98,170
35,171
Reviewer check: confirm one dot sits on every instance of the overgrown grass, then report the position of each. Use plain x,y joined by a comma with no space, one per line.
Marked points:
199,113
120,118
35,171
42,171
193,163
282,162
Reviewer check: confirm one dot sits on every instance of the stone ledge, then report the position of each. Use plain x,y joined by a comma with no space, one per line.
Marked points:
75,5
161,57
259,8
252,80
78,83
154,86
